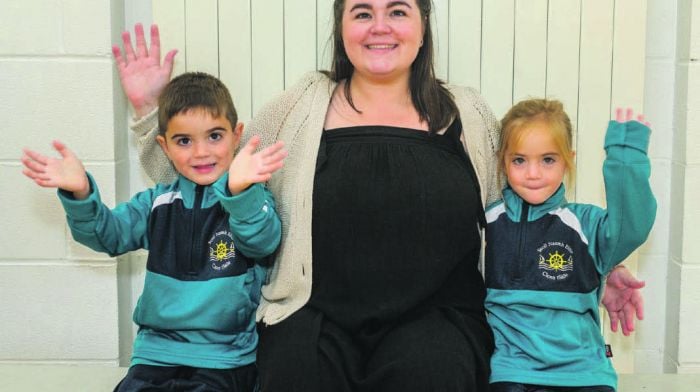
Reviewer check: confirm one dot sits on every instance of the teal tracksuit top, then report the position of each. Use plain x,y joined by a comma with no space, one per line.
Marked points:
203,275
545,263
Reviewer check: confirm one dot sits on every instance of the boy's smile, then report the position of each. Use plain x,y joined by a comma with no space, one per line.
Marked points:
200,146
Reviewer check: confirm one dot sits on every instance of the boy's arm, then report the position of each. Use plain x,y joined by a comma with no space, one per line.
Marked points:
114,232
631,206
254,222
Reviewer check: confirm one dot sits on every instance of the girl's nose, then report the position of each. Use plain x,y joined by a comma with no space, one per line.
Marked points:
533,171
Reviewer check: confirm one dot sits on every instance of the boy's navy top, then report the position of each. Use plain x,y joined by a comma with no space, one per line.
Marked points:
202,283
545,263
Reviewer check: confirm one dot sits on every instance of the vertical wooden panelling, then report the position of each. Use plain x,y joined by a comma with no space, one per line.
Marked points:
497,54
629,54
235,53
464,68
202,36
530,52
324,29
594,97
563,39
299,39
441,36
170,17
267,50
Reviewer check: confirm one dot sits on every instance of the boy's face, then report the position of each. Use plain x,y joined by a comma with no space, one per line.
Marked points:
535,168
200,146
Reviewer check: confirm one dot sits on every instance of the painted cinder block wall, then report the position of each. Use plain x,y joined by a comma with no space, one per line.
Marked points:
60,303
58,300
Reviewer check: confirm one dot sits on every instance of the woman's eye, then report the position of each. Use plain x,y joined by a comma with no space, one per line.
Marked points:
363,15
183,141
398,13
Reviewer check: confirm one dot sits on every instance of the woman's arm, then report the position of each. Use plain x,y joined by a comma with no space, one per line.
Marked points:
143,77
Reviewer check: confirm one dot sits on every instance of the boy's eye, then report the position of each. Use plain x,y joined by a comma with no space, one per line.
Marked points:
183,141
216,136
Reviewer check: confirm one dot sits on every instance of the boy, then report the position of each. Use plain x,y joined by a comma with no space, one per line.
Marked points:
204,232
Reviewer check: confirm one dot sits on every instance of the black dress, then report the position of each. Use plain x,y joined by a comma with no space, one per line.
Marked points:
397,301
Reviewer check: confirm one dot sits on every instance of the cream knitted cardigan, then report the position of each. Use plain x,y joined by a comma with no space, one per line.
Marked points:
296,117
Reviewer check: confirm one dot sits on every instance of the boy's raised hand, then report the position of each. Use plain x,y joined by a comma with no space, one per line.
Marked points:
142,75
66,172
250,167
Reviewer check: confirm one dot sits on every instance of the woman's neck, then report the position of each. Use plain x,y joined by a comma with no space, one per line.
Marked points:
379,102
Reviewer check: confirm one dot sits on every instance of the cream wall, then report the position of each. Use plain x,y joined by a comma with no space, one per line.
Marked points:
58,301
62,304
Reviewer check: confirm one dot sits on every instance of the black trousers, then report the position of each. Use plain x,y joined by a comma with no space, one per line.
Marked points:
188,379
426,353
515,387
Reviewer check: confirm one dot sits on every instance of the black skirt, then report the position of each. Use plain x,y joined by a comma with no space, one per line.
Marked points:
397,301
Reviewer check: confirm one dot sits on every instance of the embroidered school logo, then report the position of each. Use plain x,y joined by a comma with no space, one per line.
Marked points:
222,252
555,260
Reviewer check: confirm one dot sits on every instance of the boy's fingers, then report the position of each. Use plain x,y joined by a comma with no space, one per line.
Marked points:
35,156
117,53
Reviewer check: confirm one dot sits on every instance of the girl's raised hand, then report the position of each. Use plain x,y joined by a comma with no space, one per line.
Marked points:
250,167
66,173
625,115
142,75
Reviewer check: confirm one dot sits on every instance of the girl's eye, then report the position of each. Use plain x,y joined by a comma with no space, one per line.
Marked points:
517,161
549,160
183,141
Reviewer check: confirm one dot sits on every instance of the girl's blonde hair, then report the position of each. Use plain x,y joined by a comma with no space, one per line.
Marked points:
549,112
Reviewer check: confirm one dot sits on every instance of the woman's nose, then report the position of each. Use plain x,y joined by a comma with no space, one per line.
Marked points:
380,25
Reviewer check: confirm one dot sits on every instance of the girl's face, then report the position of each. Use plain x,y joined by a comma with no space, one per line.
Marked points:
382,37
535,168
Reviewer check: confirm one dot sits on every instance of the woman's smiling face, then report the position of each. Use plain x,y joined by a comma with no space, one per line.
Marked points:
382,37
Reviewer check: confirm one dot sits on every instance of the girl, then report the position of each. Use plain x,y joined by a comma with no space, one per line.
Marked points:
543,290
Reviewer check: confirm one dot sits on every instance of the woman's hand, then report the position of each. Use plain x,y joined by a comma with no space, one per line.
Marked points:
623,300
142,75
250,167
66,173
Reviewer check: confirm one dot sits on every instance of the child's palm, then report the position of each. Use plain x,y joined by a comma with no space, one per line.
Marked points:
250,167
66,172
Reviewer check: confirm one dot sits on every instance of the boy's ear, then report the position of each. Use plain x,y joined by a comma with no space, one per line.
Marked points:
237,133
163,145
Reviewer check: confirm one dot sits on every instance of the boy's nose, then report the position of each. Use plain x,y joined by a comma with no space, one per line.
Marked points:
200,149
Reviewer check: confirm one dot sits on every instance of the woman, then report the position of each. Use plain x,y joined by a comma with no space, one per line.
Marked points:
388,172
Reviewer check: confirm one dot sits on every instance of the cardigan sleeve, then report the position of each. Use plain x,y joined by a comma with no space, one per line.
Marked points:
153,160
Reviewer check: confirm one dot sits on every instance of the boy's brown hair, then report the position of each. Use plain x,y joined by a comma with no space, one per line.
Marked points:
195,90
549,112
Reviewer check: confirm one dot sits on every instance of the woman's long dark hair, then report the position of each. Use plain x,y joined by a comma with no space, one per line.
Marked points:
432,100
